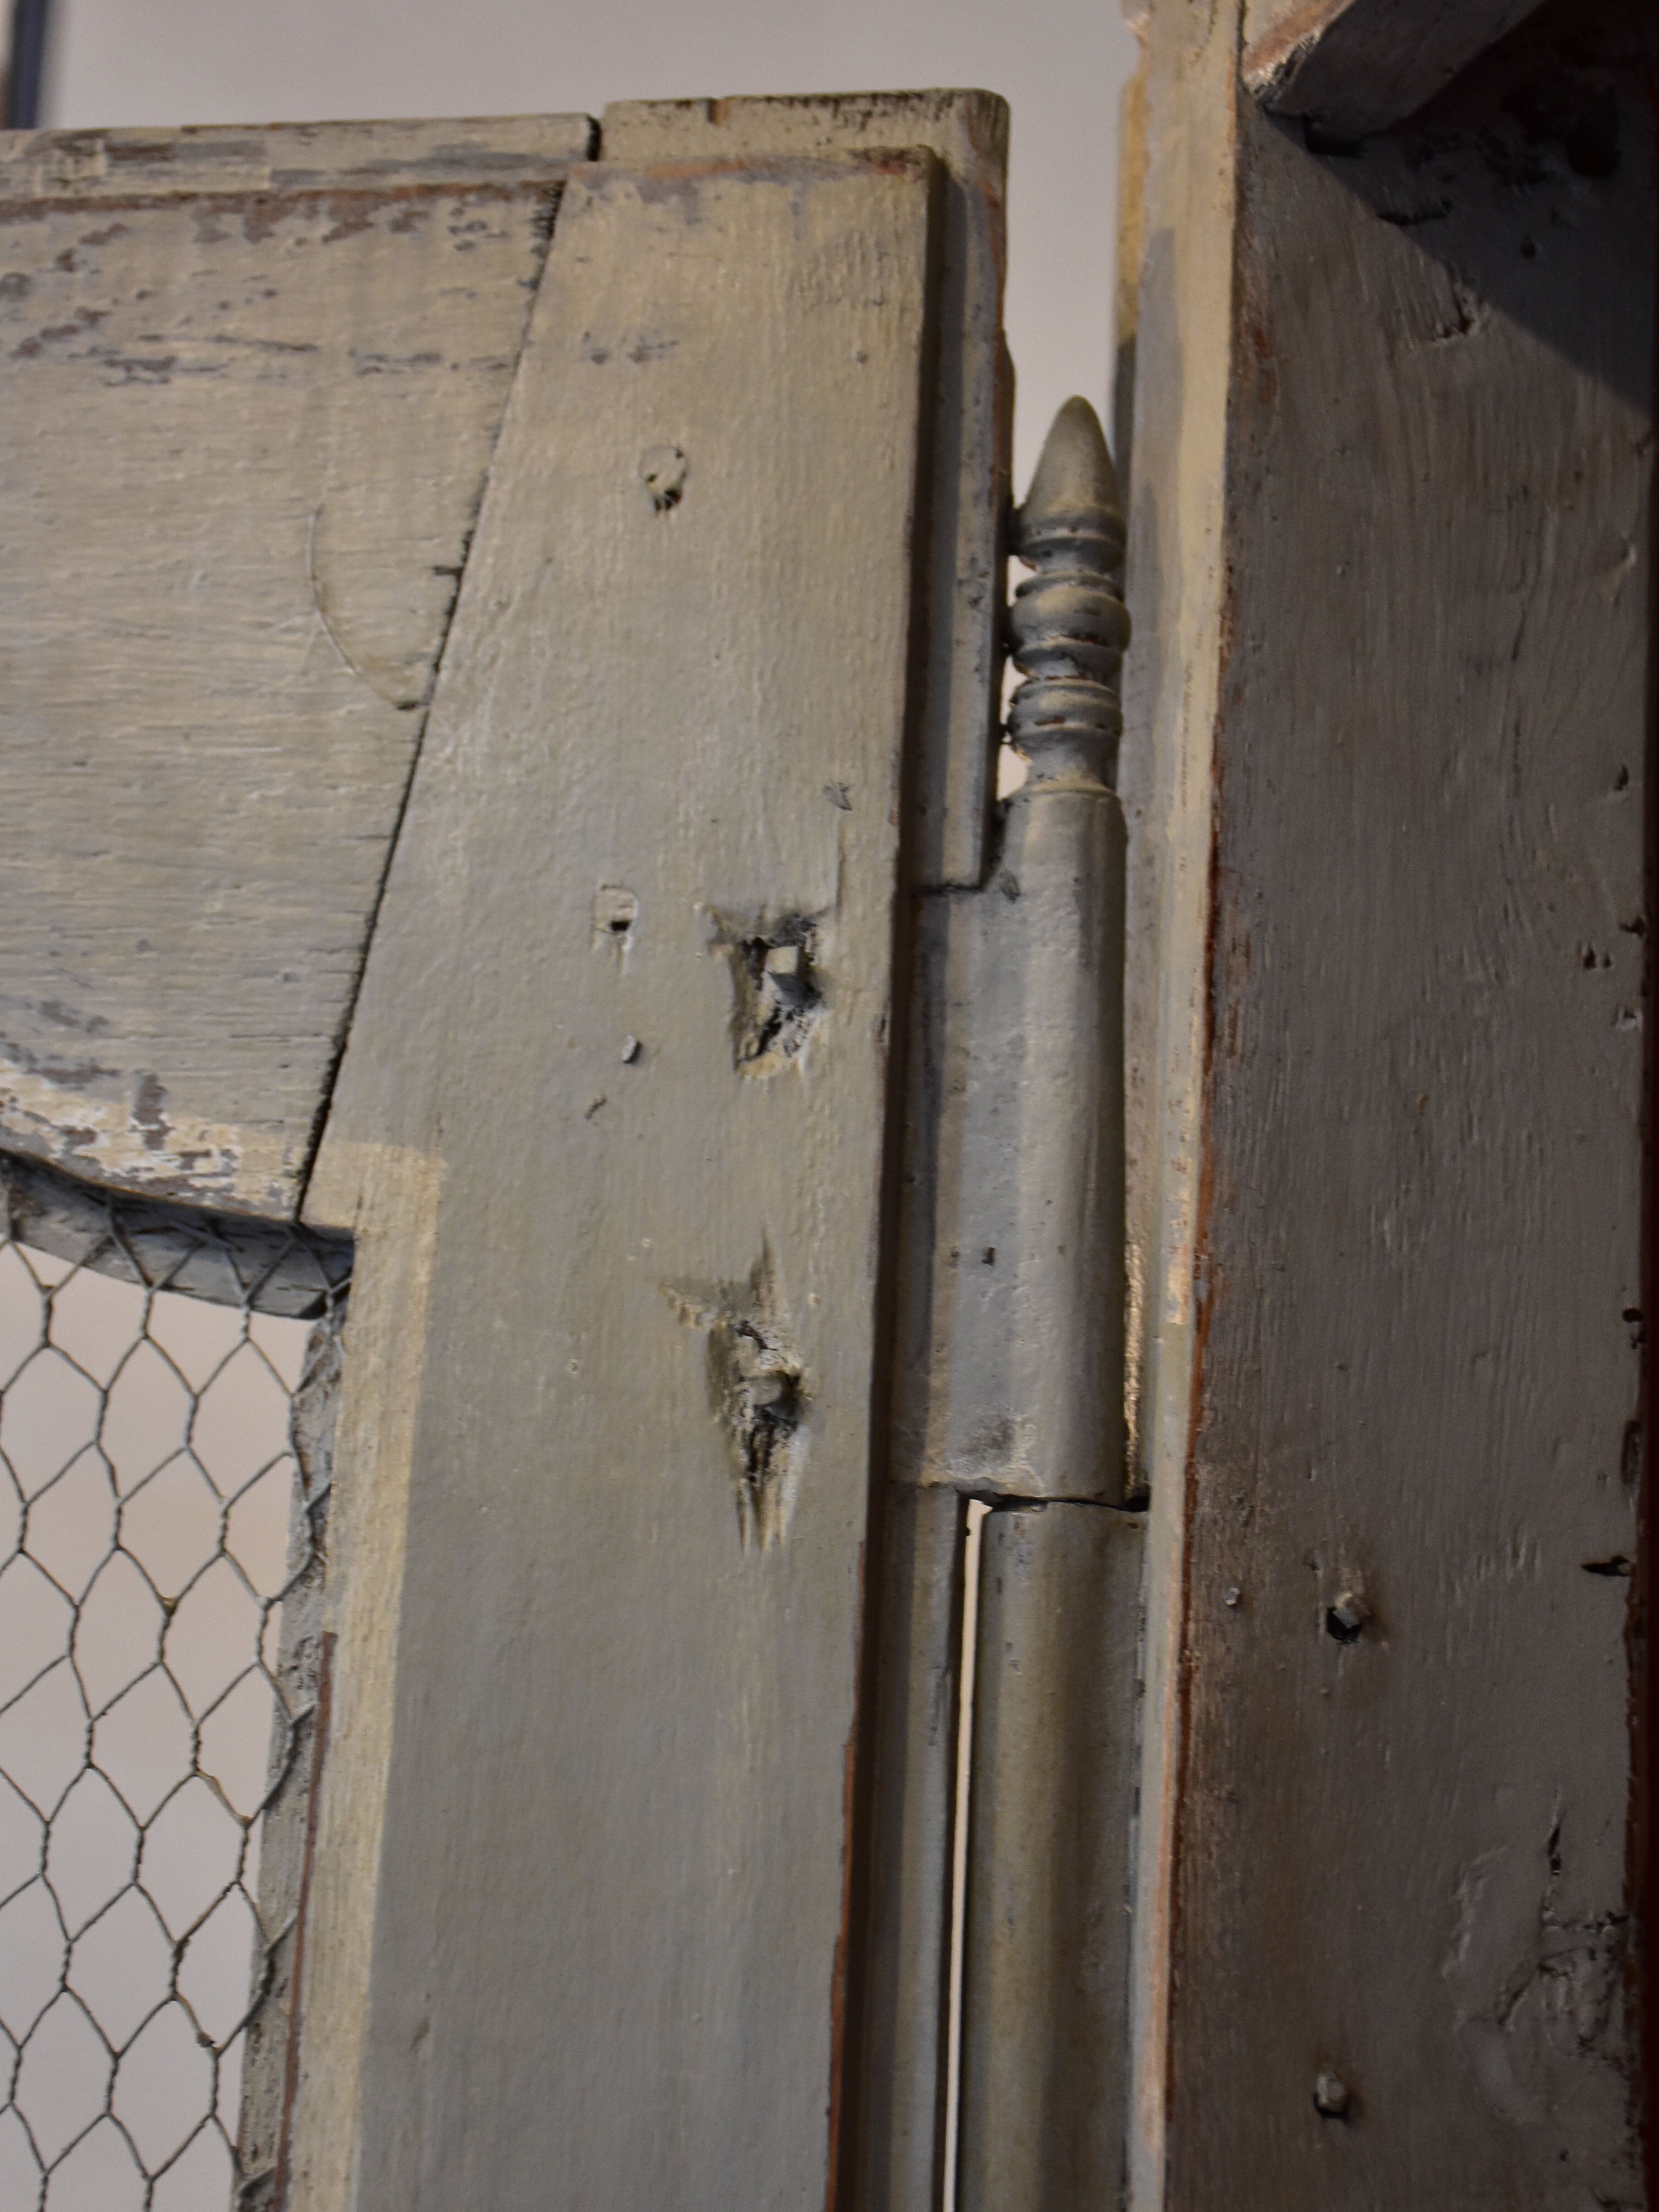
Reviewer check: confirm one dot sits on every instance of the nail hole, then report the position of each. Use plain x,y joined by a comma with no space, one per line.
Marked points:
777,989
662,472
1345,1619
616,910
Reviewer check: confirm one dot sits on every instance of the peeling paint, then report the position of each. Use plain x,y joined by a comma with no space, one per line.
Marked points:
777,986
140,1145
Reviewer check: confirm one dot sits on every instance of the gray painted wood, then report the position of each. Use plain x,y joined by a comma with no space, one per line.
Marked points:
609,1582
1394,1202
1045,1973
970,423
903,2009
251,382
1357,66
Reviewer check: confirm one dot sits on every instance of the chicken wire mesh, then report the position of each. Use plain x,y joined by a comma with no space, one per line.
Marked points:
166,1388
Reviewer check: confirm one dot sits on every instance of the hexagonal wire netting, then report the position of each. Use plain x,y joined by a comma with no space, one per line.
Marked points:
166,1388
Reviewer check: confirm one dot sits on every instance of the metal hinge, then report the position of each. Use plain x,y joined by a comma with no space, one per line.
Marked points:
1011,1503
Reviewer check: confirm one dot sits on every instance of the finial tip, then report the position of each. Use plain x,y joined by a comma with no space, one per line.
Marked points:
1069,623
1074,475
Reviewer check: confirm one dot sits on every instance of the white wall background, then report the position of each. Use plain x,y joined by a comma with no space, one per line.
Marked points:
1059,63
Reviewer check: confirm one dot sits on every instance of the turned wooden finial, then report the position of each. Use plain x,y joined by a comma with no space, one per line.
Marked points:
1070,626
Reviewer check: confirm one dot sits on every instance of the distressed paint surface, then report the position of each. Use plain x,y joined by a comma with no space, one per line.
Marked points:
1400,1948
667,744
252,383
394,1218
970,421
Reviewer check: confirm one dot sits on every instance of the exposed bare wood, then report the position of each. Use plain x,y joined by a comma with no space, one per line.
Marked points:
1389,1415
251,382
1175,579
1132,153
970,426
666,747
1357,66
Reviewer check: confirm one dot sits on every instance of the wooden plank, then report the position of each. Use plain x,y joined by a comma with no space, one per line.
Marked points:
1175,579
252,379
1355,66
102,166
970,424
374,1448
1398,1961
903,2015
607,1954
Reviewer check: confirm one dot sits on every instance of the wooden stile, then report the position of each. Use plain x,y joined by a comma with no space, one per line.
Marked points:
1386,744
665,747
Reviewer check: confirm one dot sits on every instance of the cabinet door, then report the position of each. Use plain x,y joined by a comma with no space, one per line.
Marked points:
495,640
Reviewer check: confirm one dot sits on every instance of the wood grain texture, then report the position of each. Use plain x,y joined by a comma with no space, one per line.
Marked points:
1175,581
970,423
668,739
1357,66
395,1194
252,383
100,165
1401,1947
